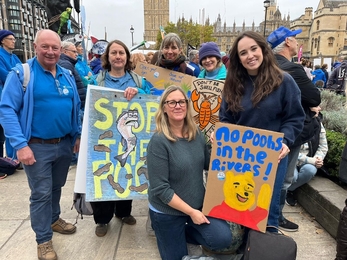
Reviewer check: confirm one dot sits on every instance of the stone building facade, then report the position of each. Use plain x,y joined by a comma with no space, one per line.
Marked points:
156,14
226,35
324,30
24,18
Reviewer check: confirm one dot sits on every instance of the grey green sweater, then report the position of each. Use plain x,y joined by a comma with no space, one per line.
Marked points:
176,167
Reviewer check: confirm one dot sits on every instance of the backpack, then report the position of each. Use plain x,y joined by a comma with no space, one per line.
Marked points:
8,166
81,205
26,70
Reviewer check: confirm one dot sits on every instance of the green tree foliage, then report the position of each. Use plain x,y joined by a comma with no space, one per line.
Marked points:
335,123
336,143
189,32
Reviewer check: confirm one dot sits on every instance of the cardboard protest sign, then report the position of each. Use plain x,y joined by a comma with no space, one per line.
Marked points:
118,134
241,176
161,78
206,98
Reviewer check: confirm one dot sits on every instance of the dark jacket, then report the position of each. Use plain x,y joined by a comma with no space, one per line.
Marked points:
338,76
310,95
313,144
326,73
286,115
96,66
69,63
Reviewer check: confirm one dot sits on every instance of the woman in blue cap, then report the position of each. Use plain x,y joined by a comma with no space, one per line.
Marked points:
7,61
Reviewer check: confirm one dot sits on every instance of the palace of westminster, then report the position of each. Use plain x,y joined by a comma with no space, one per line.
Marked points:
324,31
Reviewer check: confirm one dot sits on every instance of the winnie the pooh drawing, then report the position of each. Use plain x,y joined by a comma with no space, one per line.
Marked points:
239,200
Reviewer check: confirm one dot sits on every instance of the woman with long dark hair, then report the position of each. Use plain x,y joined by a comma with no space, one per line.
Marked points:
259,94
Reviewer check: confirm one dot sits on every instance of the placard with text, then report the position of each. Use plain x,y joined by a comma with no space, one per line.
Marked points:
206,99
161,78
241,176
118,134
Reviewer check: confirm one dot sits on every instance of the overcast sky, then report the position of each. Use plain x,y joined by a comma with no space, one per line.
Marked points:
116,16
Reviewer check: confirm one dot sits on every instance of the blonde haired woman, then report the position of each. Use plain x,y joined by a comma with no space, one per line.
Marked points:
177,154
137,57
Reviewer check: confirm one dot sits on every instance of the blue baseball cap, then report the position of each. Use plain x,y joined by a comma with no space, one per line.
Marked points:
278,36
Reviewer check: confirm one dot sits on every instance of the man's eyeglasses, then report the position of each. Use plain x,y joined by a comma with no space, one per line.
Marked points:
173,103
11,39
71,51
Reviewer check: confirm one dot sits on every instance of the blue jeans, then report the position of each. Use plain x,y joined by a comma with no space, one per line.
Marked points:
46,177
305,174
274,212
292,161
174,232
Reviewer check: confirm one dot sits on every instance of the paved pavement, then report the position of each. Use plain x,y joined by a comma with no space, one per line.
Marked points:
122,242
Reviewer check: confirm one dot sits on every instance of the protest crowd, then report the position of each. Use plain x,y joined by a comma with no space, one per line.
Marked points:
262,89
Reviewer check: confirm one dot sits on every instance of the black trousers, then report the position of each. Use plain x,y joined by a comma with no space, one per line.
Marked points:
103,211
2,141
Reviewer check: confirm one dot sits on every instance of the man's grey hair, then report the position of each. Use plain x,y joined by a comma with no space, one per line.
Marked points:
279,48
192,54
342,58
65,44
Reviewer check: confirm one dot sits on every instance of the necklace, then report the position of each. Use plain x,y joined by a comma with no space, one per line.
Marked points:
251,80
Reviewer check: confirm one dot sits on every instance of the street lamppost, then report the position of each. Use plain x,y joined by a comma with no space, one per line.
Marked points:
132,35
266,5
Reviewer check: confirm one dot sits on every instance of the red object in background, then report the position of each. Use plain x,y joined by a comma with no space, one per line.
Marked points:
93,39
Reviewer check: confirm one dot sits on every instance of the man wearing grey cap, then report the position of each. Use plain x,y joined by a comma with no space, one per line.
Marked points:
284,45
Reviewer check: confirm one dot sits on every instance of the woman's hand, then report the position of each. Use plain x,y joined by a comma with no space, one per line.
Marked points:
284,152
212,137
319,162
130,92
198,217
316,110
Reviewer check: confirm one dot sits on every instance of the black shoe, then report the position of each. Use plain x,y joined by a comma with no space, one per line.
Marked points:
101,230
287,225
290,199
130,220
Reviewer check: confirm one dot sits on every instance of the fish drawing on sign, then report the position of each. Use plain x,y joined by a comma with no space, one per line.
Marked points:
125,122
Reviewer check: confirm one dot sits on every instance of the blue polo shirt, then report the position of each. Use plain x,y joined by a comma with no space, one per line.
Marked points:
53,104
121,83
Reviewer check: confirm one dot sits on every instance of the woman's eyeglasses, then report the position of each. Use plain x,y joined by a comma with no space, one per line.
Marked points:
173,103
